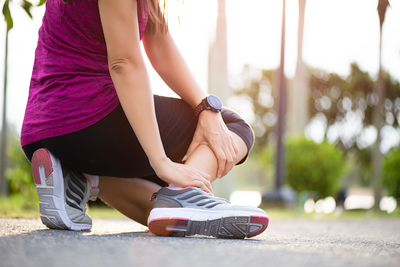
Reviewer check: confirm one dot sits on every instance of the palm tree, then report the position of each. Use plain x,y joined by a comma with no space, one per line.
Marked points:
218,83
218,57
377,116
299,90
279,196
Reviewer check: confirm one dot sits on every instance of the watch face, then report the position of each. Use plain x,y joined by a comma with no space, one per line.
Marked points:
214,102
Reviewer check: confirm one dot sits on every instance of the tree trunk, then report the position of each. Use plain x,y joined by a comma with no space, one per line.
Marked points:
299,92
376,153
378,119
218,58
3,156
280,153
218,85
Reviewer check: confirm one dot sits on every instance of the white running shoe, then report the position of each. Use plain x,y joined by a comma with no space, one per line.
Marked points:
191,211
63,193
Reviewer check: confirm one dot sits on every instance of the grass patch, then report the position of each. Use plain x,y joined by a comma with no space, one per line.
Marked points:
19,206
104,212
344,215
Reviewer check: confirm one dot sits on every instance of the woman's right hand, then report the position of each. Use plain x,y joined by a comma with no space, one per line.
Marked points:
183,175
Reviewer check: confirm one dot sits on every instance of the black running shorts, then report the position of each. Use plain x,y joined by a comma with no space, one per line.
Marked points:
110,147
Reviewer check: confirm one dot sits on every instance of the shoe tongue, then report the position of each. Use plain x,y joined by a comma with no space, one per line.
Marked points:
93,193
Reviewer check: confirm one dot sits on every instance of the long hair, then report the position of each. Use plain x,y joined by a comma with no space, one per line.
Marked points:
158,14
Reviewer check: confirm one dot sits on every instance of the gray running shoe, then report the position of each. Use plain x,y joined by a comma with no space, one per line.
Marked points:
191,211
63,193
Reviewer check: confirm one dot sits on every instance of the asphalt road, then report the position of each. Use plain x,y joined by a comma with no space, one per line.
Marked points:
121,242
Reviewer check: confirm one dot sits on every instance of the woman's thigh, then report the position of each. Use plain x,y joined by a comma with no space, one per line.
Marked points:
110,147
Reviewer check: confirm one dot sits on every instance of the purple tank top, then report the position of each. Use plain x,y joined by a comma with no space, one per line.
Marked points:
71,87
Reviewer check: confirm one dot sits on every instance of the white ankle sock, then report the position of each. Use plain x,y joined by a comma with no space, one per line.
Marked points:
173,186
94,180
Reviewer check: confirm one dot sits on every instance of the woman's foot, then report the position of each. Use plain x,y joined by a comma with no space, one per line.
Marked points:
63,193
191,211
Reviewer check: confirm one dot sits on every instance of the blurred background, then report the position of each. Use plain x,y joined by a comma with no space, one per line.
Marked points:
318,80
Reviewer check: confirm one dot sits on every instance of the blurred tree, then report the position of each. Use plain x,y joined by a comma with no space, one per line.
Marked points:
256,89
299,91
26,5
343,105
337,101
218,81
391,173
352,100
346,108
377,115
218,57
314,167
19,174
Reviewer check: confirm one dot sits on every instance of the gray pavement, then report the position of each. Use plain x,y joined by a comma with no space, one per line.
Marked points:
121,242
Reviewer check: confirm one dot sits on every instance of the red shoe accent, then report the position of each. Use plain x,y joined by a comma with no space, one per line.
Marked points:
41,157
159,226
259,219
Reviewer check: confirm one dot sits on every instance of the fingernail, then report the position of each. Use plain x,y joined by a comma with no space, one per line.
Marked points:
184,158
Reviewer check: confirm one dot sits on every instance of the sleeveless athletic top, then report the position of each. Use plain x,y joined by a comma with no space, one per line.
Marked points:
71,87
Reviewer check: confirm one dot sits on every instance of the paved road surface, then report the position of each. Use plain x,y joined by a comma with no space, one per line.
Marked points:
121,242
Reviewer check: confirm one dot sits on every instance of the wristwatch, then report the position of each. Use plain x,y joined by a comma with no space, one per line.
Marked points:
211,102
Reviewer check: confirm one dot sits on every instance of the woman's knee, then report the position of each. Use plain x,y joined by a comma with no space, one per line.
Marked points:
239,126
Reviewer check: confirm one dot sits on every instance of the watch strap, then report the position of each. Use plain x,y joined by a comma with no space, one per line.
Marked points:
200,107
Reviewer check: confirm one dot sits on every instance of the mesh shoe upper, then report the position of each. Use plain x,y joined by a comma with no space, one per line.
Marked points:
77,193
196,198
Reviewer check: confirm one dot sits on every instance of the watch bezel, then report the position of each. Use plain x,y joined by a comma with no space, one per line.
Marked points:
206,104
211,106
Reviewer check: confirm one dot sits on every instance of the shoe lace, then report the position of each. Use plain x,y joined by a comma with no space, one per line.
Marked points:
217,198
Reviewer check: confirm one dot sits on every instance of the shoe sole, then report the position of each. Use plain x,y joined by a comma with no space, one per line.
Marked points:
48,177
180,222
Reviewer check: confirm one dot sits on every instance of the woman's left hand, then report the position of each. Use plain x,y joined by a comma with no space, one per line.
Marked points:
212,131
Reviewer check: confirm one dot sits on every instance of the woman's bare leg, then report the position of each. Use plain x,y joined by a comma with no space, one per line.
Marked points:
203,157
131,196
128,196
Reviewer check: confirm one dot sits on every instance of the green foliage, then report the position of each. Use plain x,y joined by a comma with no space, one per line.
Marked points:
7,15
314,167
336,100
336,97
18,206
391,173
26,5
332,97
19,175
257,88
343,101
